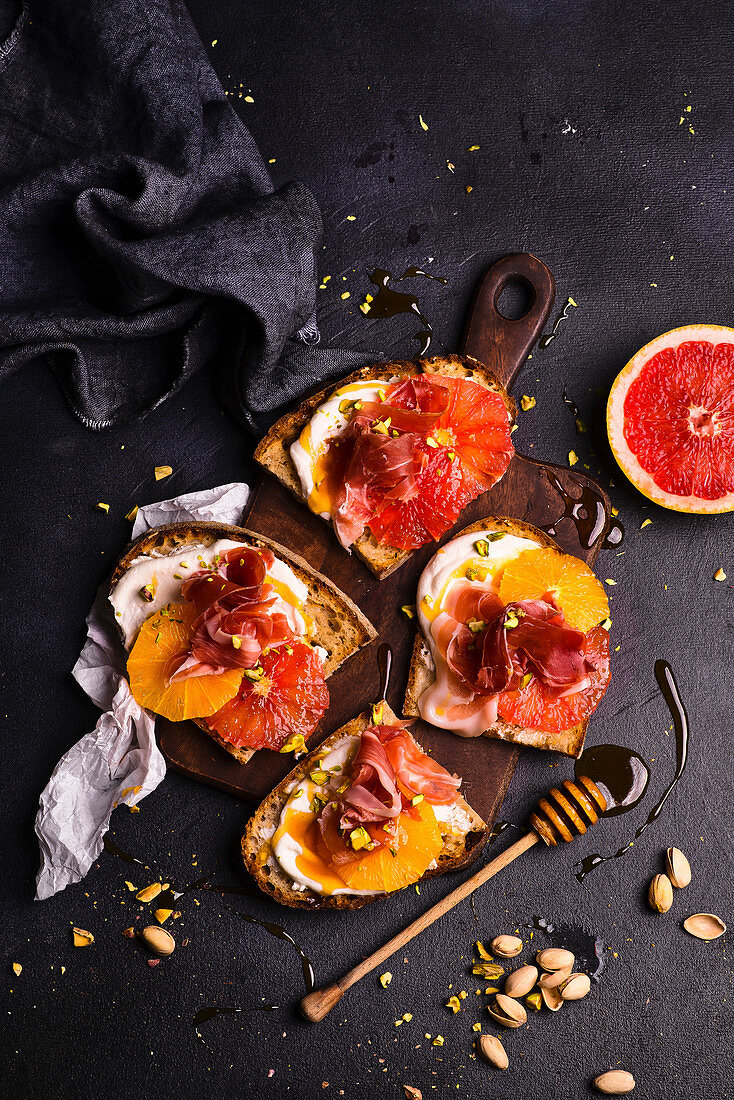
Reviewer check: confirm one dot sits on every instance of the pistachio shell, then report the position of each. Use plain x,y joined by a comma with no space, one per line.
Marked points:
157,940
507,1011
575,987
554,980
660,894
616,1082
678,867
506,947
521,981
555,958
149,892
552,999
705,926
490,1048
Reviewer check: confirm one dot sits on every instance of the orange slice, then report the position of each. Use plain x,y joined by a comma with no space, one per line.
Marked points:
574,587
418,843
161,637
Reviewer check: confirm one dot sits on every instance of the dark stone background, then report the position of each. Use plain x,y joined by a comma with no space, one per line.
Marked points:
582,161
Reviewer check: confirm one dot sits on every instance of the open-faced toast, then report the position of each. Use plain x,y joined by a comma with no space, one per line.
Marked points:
422,676
339,627
274,454
463,835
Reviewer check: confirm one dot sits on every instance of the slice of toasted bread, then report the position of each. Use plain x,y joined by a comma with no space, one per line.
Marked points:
422,668
460,846
341,628
273,451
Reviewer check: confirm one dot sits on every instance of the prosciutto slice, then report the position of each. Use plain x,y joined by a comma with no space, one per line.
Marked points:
415,771
234,605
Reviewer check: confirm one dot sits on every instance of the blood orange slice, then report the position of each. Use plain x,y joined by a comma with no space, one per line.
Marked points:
164,635
403,861
670,419
288,698
533,709
575,589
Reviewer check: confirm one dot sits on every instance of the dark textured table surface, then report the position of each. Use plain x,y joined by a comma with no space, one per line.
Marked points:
582,160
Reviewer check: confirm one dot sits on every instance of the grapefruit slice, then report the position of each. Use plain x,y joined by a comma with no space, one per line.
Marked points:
534,710
467,450
575,589
162,636
288,698
670,419
417,843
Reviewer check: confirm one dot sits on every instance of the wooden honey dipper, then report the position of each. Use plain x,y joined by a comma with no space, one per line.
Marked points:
561,815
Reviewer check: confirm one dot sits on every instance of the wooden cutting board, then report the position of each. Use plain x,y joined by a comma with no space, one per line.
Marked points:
569,505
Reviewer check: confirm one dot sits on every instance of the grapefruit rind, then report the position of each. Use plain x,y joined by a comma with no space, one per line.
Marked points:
626,459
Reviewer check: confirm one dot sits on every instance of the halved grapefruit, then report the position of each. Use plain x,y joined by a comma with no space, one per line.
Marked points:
162,636
288,697
670,419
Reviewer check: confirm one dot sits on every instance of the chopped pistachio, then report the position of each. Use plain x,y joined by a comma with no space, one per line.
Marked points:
407,1016
431,441
147,592
163,471
423,124
428,601
346,405
82,938
254,674
527,403
645,523
534,1001
606,624
162,915
360,838
17,968
408,609
132,514
471,574
319,776
511,621
385,979
476,1027
345,295
489,970
381,426
295,743
719,575
417,800
482,547
608,580
572,458
473,148
377,712
580,426
453,1004
236,642
468,189
463,995
482,951
495,536
525,680
102,507
475,625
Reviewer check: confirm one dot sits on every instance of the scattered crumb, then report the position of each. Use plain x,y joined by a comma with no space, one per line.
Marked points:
102,507
572,458
450,166
527,403
346,294
473,148
248,99
468,189
645,523
351,218
423,124
163,471
17,968
608,580
719,575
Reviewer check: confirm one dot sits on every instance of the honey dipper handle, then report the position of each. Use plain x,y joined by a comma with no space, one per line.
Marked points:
319,1003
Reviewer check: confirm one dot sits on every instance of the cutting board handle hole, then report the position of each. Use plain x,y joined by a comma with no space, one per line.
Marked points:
515,298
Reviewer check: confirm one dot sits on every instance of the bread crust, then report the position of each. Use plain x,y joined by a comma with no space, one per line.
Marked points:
273,451
267,873
342,628
421,673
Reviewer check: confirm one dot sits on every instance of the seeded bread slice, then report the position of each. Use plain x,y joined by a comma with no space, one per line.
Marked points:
341,628
422,668
273,452
460,845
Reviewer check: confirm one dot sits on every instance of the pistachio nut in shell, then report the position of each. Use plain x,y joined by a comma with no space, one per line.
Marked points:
678,868
412,1093
555,958
506,947
158,940
521,981
490,1048
575,987
704,926
660,894
507,1011
616,1082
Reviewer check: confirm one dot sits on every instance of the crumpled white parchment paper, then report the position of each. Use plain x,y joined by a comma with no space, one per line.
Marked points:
119,760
